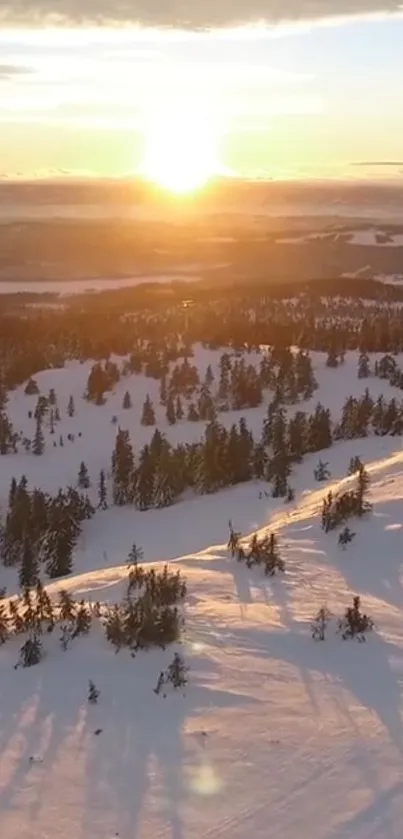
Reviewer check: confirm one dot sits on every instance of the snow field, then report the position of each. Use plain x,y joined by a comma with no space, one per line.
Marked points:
276,737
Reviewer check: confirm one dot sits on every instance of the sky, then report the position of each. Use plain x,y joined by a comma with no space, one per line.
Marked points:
316,96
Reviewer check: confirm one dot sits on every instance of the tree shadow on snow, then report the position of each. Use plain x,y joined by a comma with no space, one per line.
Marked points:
371,671
144,752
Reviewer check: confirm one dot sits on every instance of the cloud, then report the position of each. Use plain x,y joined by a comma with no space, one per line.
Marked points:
392,163
7,71
187,14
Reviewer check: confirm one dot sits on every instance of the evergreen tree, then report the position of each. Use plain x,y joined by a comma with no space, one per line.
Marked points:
71,409
12,493
102,492
163,390
93,693
127,401
320,624
363,481
145,480
83,477
346,536
165,482
28,571
363,366
122,469
177,672
332,358
179,409
322,472
67,606
193,416
148,415
4,626
52,397
38,445
135,556
31,652
355,624
31,387
170,411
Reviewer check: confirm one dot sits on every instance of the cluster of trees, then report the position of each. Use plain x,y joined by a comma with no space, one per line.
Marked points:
338,509
34,614
154,334
40,531
263,551
147,616
353,624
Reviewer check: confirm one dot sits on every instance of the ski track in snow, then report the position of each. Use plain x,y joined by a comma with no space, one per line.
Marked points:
301,738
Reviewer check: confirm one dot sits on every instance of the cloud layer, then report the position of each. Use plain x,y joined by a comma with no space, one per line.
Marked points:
189,14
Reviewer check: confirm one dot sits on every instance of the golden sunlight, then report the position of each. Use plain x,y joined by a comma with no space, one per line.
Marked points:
181,151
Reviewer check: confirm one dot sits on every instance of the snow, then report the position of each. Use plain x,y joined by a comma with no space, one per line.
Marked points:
276,735
368,239
63,288
365,237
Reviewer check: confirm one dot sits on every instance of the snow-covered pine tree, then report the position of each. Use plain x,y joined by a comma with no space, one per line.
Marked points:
102,491
148,415
71,408
38,445
122,469
28,572
170,411
127,401
93,693
83,480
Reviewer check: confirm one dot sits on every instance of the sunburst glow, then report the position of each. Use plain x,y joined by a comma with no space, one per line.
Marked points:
181,151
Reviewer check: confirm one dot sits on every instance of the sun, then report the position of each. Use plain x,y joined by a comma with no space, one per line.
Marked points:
181,151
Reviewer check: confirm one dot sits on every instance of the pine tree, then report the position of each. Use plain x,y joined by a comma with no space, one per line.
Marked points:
102,492
12,493
354,466
179,409
363,481
163,390
4,625
83,480
31,652
38,445
127,401
148,415
363,366
67,606
177,672
93,693
122,469
145,480
135,556
165,479
345,537
71,409
52,397
83,620
29,571
31,387
320,624
43,604
233,541
322,472
355,624
193,416
170,411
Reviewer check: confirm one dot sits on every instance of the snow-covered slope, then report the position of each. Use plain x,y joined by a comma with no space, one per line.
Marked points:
276,735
